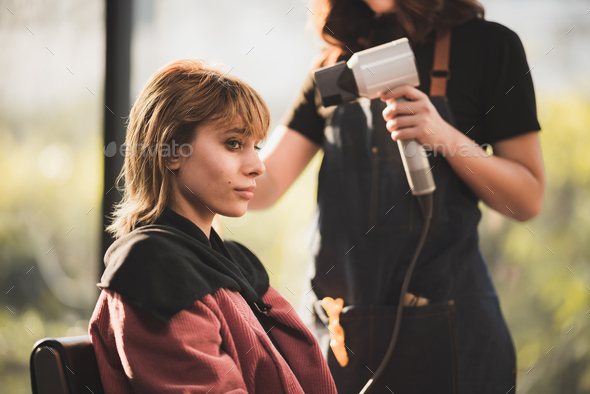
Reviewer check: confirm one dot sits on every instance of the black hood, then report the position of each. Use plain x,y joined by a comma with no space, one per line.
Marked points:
166,266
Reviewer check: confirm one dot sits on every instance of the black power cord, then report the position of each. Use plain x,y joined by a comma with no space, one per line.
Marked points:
426,207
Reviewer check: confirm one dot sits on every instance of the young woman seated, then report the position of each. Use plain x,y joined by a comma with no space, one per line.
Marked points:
180,310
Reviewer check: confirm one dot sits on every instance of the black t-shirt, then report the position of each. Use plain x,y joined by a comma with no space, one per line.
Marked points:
490,89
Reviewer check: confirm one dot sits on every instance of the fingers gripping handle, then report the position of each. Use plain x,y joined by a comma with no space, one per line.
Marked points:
415,162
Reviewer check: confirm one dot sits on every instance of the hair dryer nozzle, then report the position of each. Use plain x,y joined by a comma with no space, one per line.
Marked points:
368,73
336,84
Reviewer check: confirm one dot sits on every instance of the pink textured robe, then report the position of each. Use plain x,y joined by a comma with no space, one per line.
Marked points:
216,345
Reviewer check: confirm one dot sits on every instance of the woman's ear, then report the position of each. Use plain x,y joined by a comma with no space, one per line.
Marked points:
173,163
177,155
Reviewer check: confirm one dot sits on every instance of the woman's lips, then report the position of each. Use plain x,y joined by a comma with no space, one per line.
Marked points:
246,193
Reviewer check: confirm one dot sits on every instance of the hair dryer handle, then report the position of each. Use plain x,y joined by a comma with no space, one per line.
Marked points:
415,162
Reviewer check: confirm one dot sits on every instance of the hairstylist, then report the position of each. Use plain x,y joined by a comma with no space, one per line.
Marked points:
475,89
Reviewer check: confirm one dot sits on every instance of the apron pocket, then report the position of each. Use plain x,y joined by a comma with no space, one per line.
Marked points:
424,359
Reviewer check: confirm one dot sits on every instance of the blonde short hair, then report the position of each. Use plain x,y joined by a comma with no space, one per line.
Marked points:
176,99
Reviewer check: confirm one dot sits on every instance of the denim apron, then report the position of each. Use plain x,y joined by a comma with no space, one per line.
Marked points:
368,225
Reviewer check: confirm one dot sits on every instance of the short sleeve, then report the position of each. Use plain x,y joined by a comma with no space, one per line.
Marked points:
303,115
509,105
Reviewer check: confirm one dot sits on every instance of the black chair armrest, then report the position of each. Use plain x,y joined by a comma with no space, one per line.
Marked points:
65,366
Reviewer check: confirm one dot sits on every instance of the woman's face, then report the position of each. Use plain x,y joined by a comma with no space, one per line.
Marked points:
219,176
381,6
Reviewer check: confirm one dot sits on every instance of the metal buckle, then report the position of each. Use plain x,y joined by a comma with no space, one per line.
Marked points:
265,307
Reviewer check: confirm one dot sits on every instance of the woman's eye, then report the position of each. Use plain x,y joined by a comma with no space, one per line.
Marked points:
234,144
257,148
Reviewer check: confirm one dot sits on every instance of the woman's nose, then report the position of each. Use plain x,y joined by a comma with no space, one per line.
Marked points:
255,166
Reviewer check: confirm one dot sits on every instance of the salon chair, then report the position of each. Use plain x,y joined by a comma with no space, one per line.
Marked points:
65,366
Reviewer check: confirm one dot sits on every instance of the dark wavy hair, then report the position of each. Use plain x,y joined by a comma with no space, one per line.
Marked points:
350,25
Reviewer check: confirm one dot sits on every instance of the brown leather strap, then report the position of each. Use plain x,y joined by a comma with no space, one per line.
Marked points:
440,72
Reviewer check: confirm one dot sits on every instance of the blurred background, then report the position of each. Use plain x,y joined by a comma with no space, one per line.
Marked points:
51,162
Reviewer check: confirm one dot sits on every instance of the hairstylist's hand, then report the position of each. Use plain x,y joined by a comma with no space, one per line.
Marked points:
416,118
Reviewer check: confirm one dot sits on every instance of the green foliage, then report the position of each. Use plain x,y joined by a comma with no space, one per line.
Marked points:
543,279
51,178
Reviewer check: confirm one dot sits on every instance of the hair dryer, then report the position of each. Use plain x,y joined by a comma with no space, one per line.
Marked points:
370,73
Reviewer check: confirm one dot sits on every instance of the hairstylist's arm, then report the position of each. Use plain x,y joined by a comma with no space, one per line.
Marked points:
512,181
285,156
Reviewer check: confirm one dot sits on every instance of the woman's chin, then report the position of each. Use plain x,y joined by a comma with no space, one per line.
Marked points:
235,212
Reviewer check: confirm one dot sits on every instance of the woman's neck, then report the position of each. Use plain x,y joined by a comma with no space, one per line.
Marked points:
201,218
